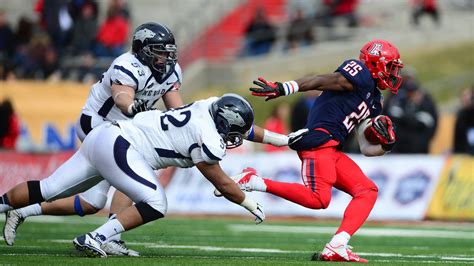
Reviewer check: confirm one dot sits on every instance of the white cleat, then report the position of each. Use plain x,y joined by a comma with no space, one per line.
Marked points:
118,248
244,180
90,245
13,219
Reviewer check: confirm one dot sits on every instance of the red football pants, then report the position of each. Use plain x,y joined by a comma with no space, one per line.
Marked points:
321,170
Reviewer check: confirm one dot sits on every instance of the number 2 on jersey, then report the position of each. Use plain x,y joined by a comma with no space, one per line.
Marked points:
354,118
175,121
352,68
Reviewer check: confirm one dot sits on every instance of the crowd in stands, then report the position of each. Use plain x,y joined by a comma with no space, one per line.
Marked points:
66,40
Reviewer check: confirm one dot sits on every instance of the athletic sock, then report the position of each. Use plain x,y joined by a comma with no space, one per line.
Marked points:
4,204
109,229
32,210
339,239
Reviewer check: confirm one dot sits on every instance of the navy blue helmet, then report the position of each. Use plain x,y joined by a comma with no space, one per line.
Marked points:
154,45
233,116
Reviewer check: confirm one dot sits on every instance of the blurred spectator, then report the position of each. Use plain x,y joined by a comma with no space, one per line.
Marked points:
300,31
7,44
76,8
300,110
277,123
425,7
121,6
345,9
464,128
85,30
416,117
113,34
9,125
58,23
40,60
260,35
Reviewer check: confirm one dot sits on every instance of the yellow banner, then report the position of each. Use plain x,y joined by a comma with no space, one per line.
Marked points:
454,196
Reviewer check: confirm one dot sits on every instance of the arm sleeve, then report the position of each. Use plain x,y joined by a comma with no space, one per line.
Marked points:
365,147
358,75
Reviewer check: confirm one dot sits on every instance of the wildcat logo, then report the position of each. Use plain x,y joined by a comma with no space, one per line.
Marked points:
376,49
232,117
143,34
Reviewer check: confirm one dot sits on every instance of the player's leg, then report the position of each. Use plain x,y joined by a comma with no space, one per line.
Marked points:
353,181
318,173
137,180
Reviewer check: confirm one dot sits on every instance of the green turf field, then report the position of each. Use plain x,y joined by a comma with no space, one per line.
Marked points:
231,241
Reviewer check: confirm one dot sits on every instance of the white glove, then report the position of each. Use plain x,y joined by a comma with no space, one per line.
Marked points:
259,214
255,208
297,135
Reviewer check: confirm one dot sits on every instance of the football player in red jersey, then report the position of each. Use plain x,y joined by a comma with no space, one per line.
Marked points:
350,99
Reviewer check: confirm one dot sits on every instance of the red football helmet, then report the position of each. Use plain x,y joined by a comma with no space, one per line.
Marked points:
383,61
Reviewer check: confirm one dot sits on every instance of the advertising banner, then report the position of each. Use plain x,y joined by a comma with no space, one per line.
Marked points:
406,185
454,196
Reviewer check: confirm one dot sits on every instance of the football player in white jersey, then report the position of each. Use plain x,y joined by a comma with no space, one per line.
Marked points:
126,153
134,82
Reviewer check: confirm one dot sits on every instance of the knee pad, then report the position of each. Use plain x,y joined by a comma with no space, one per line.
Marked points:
147,212
34,192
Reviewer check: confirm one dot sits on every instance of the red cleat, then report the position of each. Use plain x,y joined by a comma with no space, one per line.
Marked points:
340,253
242,179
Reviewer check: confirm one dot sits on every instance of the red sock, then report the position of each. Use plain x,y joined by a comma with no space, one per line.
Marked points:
296,193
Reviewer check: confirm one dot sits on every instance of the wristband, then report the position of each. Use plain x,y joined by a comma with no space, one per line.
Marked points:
249,204
251,134
270,137
290,87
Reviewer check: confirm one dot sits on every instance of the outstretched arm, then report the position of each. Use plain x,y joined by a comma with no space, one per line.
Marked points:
260,135
325,82
230,190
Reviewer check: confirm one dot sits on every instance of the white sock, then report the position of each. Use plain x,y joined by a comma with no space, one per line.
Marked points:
114,237
32,210
5,208
341,238
258,184
110,228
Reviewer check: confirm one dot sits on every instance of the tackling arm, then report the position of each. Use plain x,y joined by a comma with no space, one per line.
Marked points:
260,135
229,189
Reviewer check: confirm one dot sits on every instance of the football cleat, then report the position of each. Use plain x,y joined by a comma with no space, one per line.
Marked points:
90,245
13,219
118,248
242,180
340,253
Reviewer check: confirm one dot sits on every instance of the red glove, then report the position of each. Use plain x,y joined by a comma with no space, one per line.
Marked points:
268,89
383,129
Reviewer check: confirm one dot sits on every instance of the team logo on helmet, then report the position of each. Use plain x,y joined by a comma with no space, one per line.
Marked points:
376,49
232,117
143,34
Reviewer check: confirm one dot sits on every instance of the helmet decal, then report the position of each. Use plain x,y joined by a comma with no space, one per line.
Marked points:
232,117
143,34
375,50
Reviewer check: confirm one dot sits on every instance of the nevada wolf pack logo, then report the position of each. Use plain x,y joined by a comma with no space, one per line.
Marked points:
232,117
143,34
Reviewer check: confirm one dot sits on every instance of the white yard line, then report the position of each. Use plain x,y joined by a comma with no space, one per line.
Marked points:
362,232
439,258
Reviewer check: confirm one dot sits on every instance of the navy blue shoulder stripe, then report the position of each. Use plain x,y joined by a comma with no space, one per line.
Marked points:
209,153
192,147
146,83
106,107
128,72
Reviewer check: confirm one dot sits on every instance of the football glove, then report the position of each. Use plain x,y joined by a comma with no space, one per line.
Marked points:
383,128
259,214
268,89
137,107
297,135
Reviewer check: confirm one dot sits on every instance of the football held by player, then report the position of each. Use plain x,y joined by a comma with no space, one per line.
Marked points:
350,99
